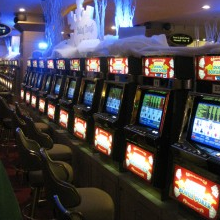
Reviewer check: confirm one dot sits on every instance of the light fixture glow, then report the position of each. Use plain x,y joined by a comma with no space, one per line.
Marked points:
22,9
62,32
113,27
42,45
206,7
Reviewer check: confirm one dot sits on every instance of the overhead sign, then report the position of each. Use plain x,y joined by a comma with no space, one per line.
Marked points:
181,39
4,30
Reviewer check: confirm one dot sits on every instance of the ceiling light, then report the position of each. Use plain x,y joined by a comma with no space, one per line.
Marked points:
113,27
42,45
22,9
206,7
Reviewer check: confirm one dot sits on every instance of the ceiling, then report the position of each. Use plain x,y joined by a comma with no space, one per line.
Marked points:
184,12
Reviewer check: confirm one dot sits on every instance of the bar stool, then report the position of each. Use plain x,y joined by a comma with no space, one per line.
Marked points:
56,151
29,151
93,203
22,113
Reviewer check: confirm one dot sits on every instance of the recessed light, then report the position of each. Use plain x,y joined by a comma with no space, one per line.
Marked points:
21,9
206,7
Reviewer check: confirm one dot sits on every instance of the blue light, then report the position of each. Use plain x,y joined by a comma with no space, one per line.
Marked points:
42,45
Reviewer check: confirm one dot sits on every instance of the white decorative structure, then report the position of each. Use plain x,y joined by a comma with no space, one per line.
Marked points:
124,13
54,22
100,7
81,21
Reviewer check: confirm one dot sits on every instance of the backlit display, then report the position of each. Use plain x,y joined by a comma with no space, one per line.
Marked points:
33,101
118,65
41,63
80,127
160,67
113,100
50,64
61,64
75,64
151,110
208,68
88,94
28,97
22,94
63,119
51,111
41,105
34,62
139,161
103,141
196,192
93,65
29,63
206,125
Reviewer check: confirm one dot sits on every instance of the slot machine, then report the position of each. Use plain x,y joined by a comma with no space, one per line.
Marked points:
115,108
156,118
89,98
59,79
46,87
195,177
32,81
26,80
71,93
38,83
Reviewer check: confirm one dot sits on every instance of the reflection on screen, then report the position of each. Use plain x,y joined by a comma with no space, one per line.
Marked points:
57,86
39,80
88,94
151,110
47,83
113,100
206,125
71,89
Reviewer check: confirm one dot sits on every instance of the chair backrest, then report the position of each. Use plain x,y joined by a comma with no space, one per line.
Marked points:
19,122
63,214
43,139
5,110
22,113
67,193
28,151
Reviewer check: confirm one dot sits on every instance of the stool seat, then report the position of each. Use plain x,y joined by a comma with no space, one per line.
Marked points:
43,127
60,152
95,204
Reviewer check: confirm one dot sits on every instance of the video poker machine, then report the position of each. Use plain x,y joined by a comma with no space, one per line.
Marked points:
156,118
26,80
89,98
41,74
46,87
115,108
71,93
195,180
59,79
33,81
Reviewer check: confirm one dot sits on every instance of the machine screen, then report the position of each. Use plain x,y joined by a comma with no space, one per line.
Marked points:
206,125
88,94
57,86
39,80
113,100
47,83
71,89
61,64
151,110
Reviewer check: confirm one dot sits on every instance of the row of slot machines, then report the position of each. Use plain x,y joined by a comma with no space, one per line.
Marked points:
8,73
157,117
